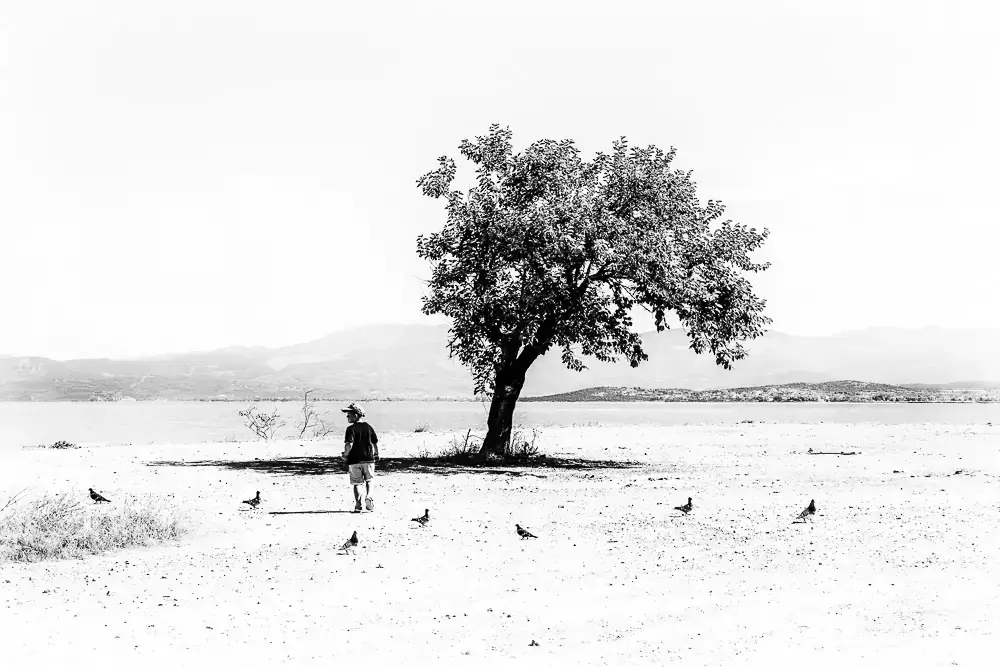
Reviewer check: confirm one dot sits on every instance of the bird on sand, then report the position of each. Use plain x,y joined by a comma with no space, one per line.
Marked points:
351,543
807,512
685,508
523,533
423,520
253,502
97,498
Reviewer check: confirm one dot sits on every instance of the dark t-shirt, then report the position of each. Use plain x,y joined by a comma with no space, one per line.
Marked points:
363,441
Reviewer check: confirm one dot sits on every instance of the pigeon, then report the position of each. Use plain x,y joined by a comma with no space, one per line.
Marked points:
351,543
685,508
423,520
807,512
97,498
523,533
253,502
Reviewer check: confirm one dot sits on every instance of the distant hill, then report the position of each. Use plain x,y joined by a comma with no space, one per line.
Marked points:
411,361
958,386
796,392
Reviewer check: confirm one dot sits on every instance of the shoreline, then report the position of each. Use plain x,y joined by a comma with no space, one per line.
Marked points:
526,399
33,425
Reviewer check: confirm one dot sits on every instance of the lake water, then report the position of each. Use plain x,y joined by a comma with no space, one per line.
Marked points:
28,424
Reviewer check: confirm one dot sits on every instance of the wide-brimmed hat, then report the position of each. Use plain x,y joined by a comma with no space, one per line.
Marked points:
355,408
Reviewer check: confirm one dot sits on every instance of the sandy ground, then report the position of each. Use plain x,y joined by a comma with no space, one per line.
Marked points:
900,566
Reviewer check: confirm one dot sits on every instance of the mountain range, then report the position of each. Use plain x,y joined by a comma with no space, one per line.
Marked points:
411,361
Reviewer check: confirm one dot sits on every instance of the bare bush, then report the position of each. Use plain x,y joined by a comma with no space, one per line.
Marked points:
59,526
309,416
262,425
323,428
422,427
313,420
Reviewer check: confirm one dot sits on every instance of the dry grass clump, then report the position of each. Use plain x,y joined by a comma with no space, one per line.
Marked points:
461,451
54,526
522,449
466,450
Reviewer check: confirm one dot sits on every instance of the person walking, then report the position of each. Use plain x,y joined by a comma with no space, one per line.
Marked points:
361,453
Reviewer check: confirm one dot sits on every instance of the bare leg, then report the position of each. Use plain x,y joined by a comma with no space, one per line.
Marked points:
357,495
369,504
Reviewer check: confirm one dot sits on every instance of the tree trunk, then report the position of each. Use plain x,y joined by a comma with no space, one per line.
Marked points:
501,419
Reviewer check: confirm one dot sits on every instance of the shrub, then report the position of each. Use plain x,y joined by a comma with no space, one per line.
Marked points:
422,427
520,448
59,526
462,450
467,450
261,424
63,444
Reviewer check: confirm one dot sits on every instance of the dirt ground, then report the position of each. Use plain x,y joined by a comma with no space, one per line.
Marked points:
900,565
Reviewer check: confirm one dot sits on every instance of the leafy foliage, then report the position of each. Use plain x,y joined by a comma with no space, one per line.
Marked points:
549,250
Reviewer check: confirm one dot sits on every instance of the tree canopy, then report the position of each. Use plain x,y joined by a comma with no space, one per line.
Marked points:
547,249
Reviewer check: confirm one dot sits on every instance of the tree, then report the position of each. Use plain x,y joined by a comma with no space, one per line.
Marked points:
548,250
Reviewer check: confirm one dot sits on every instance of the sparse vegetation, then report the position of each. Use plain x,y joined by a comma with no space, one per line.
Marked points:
309,416
313,420
522,449
323,429
262,425
468,449
422,427
58,526
63,444
462,450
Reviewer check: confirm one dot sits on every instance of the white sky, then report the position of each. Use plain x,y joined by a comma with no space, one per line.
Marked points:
191,174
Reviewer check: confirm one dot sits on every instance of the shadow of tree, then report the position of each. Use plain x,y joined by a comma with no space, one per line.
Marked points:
327,465
312,512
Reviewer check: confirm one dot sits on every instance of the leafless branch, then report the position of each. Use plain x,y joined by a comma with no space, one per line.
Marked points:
13,499
308,413
260,424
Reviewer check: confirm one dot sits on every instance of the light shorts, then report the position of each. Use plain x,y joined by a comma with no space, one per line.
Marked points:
361,473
